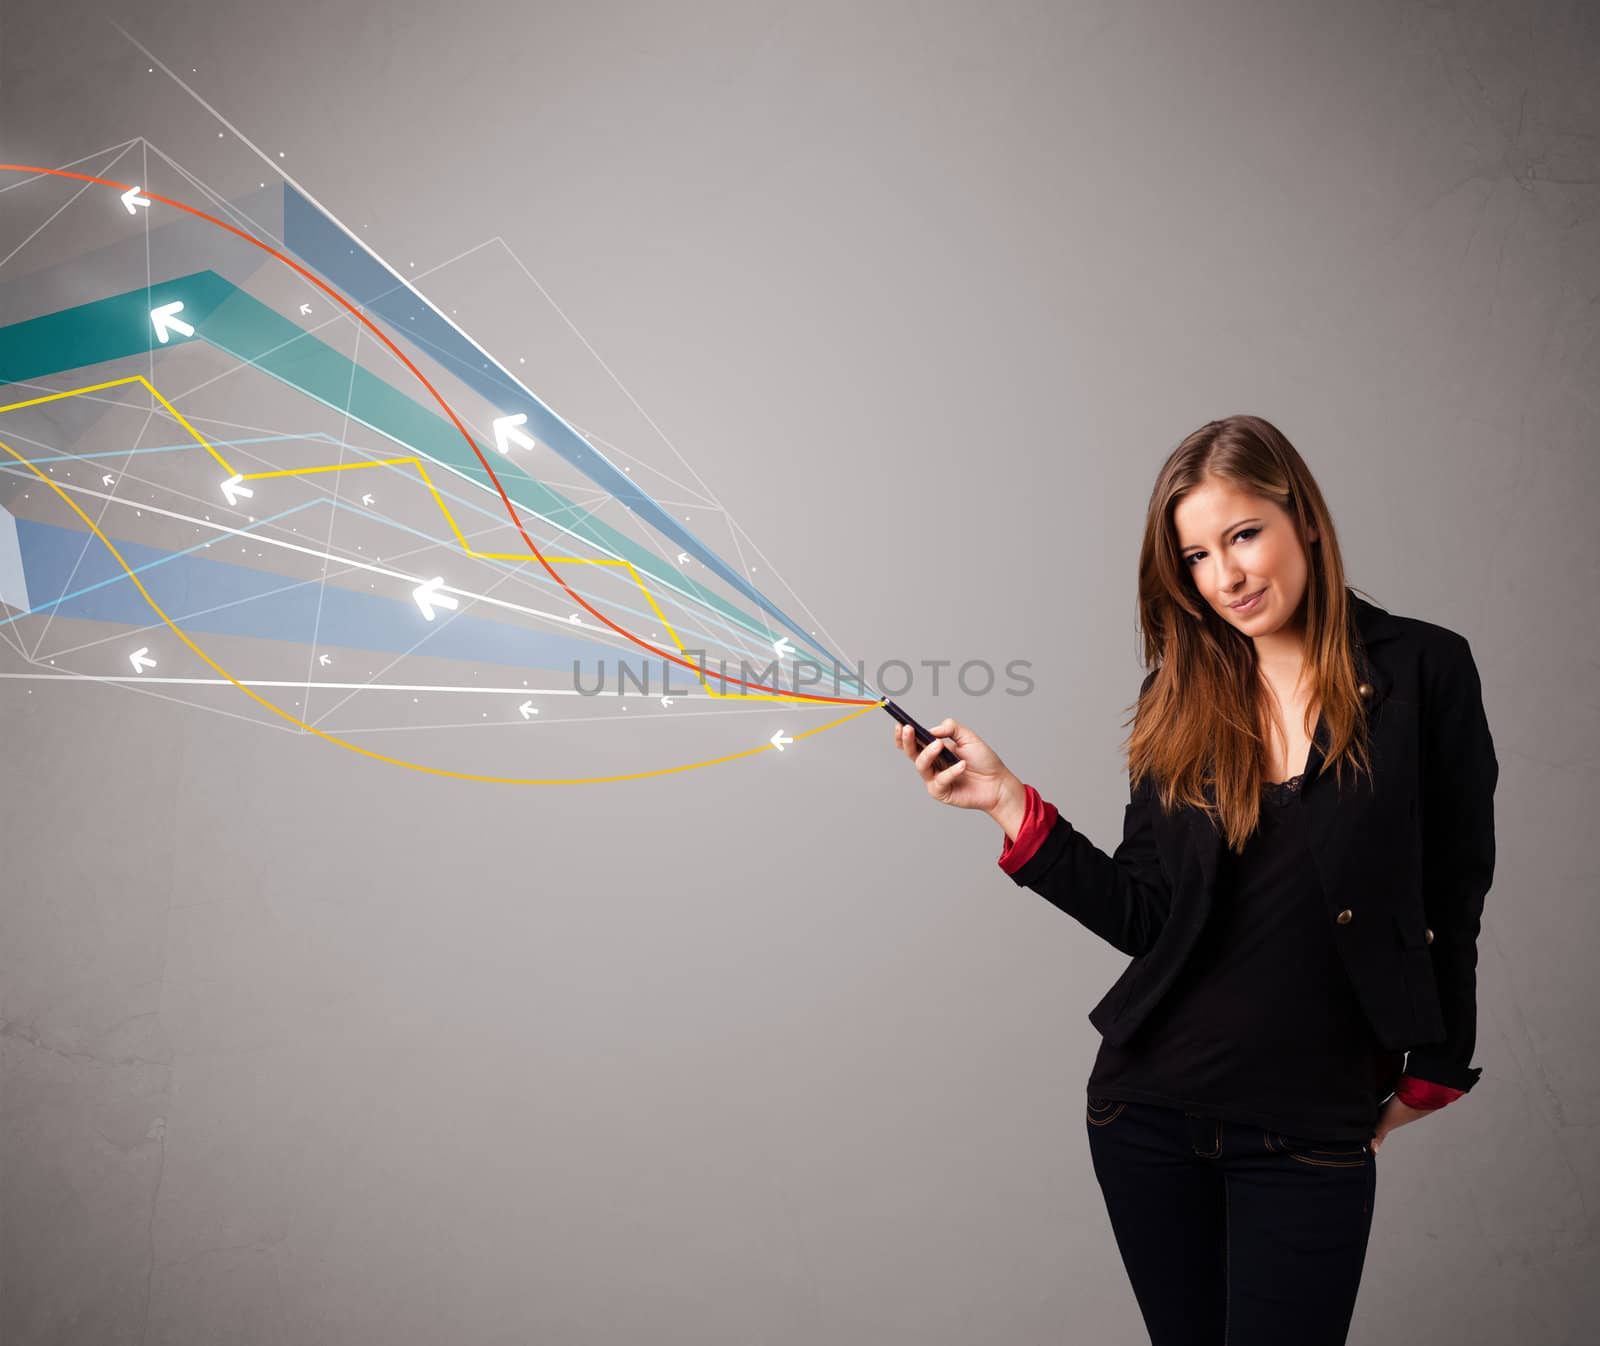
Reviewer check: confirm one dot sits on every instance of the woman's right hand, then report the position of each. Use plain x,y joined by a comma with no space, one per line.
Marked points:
980,781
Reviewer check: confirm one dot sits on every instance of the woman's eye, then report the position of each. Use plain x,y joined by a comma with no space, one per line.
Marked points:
1190,559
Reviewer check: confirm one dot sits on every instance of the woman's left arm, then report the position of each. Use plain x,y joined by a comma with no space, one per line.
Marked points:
1459,773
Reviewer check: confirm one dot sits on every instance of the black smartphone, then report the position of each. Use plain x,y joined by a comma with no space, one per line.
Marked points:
946,757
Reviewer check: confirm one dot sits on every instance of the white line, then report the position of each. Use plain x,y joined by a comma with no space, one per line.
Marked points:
610,373
412,580
40,177
263,721
397,687
99,518
81,190
333,517
687,604
605,637
662,718
422,638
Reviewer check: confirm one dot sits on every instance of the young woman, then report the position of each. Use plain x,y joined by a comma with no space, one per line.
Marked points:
1306,849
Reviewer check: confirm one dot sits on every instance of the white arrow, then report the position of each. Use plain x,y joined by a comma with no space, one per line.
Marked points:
138,660
528,709
782,646
324,660
166,324
428,597
232,490
107,480
575,619
666,701
131,198
779,739
305,308
366,499
506,433
683,558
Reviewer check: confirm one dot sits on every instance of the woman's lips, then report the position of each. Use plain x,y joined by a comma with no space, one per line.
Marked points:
1249,604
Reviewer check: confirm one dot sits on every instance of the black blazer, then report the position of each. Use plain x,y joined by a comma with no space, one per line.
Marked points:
1405,859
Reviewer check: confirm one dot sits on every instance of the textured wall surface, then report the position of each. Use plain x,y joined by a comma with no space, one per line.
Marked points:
296,1049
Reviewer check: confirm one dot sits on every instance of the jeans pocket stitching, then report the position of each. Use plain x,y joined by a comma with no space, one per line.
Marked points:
1106,1119
1328,1163
1279,1143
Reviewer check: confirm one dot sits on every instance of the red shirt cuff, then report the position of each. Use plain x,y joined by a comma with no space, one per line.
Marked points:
1415,1093
1037,819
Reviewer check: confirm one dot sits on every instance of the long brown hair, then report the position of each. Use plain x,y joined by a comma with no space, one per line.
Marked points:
1202,717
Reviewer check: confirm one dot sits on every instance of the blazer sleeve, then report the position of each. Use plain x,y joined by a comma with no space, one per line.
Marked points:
1123,897
1459,773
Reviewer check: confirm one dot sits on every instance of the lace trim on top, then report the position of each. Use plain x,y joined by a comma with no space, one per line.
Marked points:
1280,791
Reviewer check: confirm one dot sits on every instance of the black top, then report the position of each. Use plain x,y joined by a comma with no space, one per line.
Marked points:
1262,1025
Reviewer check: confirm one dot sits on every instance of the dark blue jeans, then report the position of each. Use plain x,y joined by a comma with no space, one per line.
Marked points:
1233,1235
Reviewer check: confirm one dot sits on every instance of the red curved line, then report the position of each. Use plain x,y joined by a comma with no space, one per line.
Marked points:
448,411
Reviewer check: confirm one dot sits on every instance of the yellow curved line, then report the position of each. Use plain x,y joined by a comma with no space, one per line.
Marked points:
444,509
367,752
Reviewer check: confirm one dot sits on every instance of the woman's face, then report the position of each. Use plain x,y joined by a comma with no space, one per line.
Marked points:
1234,545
